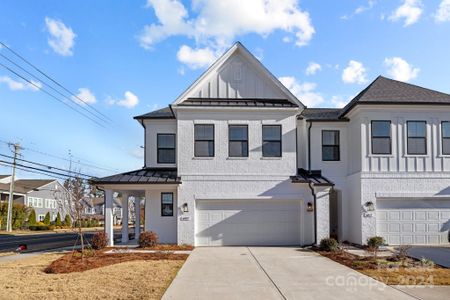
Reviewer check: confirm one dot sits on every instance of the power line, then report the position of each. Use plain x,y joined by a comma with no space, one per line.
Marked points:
38,169
51,79
51,95
46,84
46,166
90,165
35,172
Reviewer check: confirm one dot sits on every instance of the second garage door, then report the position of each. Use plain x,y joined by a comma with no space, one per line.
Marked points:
247,222
413,221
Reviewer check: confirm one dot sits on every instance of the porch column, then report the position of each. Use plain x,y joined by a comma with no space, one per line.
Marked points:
124,217
109,217
137,212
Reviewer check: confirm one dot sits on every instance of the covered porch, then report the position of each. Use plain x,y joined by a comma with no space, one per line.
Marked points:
154,193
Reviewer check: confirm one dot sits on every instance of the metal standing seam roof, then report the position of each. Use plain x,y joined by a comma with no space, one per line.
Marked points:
321,114
314,177
142,176
237,102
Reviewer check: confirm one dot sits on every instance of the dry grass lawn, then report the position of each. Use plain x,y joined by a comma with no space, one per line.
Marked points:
6,253
25,279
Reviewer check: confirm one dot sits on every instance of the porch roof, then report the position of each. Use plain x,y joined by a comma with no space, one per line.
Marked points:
314,176
142,176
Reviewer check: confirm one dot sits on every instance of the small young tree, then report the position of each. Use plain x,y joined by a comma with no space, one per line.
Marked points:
68,221
47,219
32,218
58,220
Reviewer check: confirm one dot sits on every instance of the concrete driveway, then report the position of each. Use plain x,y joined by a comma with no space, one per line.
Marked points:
439,254
272,273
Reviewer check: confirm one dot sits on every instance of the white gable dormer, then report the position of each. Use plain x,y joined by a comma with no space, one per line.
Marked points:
237,74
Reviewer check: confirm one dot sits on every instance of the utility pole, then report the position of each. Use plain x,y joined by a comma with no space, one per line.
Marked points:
11,189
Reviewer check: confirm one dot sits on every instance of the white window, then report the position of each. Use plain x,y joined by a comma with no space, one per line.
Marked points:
30,201
46,203
39,202
41,217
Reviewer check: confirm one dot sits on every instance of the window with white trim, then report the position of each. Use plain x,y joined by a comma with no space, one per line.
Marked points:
417,137
445,127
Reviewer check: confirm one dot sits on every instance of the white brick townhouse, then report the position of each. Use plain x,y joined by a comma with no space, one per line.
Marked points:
237,159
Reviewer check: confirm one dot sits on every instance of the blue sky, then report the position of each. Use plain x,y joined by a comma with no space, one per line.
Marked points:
130,57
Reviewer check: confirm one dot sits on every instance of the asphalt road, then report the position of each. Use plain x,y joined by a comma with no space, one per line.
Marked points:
40,242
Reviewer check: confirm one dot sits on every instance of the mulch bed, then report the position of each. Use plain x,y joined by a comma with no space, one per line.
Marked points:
169,247
72,262
392,271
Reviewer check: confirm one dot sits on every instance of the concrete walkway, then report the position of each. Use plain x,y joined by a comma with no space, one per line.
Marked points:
272,273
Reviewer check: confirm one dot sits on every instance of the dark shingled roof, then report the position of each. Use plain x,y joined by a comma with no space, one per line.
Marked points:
388,91
23,186
321,114
240,102
314,177
163,113
142,176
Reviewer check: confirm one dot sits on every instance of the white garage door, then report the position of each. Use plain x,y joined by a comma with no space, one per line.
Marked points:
412,222
247,222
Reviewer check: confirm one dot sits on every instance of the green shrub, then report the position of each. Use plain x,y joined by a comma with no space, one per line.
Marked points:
375,242
58,222
99,240
329,245
68,221
32,218
47,219
148,239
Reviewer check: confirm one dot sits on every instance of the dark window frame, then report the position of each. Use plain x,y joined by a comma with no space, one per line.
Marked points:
280,141
165,148
381,137
444,138
162,204
237,140
408,137
338,146
202,140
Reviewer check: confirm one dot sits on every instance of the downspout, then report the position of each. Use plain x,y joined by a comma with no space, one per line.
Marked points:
310,184
145,143
309,146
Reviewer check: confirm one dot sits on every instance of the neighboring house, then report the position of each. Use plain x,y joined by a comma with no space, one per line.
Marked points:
95,208
237,159
40,194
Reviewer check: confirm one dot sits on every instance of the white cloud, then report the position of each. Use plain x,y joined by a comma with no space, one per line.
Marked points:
196,58
130,100
214,25
410,11
86,95
443,12
305,92
360,9
313,68
400,69
339,101
19,85
62,38
355,72
137,152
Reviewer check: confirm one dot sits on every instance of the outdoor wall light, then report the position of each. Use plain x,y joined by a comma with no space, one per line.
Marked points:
369,205
184,208
309,206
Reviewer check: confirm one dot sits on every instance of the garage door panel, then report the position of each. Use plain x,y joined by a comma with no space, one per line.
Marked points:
413,221
247,222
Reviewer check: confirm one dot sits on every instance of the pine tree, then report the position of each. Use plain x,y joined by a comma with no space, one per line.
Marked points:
47,218
58,220
68,221
32,218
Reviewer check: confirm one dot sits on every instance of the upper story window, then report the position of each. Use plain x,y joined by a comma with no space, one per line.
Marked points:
445,127
330,145
381,137
417,137
238,140
204,140
167,204
271,146
166,148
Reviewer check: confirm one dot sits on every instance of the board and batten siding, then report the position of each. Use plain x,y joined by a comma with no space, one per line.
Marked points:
399,161
237,78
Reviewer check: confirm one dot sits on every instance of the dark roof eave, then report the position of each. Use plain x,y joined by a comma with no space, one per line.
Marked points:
137,183
155,117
